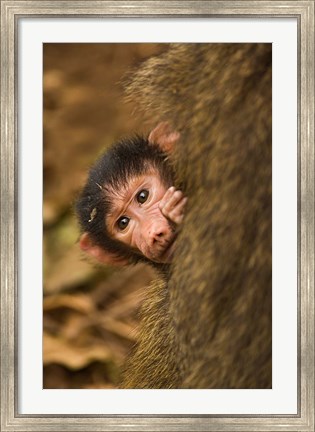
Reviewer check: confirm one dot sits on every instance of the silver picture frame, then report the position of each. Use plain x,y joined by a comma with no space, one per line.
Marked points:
11,12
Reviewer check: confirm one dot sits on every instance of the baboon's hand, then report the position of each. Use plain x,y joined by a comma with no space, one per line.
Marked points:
172,205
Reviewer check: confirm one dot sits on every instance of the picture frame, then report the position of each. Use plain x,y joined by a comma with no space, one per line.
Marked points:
11,12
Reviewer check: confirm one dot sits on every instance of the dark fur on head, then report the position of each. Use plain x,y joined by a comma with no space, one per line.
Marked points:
126,159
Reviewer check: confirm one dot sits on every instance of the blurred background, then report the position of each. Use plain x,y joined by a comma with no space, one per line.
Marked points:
90,312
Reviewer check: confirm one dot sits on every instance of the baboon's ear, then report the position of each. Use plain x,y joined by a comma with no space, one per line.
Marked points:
164,137
102,256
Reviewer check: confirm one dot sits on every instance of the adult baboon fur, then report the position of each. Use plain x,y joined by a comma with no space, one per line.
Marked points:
209,325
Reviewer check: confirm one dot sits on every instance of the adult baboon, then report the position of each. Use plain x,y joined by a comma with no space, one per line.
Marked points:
209,326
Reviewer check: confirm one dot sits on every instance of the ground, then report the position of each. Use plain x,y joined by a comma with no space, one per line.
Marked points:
90,312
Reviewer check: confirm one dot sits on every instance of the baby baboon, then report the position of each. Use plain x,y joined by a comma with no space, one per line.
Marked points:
209,326
129,210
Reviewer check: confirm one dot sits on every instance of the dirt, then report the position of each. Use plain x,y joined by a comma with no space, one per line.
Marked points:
90,312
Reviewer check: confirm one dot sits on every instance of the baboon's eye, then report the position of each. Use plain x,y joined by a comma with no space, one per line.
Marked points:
123,222
142,196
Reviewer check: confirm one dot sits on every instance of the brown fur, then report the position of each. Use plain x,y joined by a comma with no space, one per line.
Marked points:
210,325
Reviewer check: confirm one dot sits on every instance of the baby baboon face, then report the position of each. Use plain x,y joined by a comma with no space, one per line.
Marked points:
144,216
129,209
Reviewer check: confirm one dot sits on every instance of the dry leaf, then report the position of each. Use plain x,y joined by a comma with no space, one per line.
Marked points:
57,350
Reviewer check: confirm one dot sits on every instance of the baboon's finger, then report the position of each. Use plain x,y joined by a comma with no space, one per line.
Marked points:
177,214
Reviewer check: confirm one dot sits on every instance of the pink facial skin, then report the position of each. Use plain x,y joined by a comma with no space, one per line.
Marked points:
145,215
